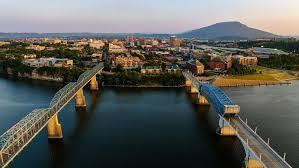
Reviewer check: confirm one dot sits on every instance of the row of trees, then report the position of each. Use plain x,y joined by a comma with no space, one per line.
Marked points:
136,78
241,70
285,62
15,66
68,75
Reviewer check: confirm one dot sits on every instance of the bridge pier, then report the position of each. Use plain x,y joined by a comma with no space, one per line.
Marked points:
251,161
188,83
202,100
194,90
94,83
54,128
225,129
80,99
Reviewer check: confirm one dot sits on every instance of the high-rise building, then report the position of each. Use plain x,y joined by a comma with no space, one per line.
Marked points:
174,41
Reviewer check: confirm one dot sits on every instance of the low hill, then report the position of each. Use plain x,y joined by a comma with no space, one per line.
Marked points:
227,31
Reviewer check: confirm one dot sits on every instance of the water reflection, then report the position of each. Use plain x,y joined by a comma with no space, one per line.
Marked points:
61,152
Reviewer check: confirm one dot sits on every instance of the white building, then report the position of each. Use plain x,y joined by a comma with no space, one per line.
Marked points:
49,62
116,48
98,44
36,47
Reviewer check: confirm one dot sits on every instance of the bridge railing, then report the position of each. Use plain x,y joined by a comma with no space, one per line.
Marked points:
260,139
246,142
220,101
17,137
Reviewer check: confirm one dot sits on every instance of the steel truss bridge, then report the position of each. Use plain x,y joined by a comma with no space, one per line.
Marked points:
258,152
14,140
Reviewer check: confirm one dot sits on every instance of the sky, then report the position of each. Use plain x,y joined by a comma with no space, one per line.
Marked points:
145,16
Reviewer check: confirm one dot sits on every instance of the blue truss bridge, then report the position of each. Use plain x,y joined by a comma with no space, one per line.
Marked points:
259,154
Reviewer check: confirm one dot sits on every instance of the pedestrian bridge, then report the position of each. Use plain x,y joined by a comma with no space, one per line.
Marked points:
259,154
13,141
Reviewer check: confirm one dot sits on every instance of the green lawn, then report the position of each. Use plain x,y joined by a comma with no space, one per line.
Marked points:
264,77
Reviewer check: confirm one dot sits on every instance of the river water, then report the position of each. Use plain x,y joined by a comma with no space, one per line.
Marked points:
149,127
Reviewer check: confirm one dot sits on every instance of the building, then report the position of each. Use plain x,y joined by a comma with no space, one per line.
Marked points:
216,65
2,43
36,47
172,68
127,62
55,41
195,67
98,44
49,62
265,51
116,48
151,70
159,69
130,39
30,56
174,42
220,62
246,61
96,57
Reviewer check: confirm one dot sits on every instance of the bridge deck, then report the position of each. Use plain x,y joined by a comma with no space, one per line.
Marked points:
256,145
268,156
14,140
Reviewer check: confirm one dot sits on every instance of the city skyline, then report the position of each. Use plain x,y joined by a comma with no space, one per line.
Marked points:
135,16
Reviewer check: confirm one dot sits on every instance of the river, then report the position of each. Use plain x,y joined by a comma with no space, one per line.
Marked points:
149,127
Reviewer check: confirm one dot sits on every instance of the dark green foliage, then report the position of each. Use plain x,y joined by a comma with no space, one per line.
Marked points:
60,53
285,62
107,66
16,67
207,74
67,74
136,78
241,70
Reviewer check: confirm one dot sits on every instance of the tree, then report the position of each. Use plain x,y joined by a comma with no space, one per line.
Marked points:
107,66
119,68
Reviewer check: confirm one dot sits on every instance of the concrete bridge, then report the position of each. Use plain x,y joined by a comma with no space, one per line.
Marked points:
13,141
259,154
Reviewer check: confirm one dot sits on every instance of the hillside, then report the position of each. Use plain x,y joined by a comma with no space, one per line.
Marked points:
227,31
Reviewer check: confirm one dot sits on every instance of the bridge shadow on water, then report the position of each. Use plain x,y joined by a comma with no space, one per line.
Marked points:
229,148
59,151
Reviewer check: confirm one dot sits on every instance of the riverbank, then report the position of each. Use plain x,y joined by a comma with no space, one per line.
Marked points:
33,76
264,78
142,86
222,82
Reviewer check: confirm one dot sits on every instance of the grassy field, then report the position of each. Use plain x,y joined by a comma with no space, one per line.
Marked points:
263,77
266,75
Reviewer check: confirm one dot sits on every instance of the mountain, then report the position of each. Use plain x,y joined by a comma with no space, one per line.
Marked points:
227,31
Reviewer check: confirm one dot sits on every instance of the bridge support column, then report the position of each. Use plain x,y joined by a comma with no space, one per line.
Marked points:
94,83
225,129
202,100
54,128
194,90
188,83
251,161
80,99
